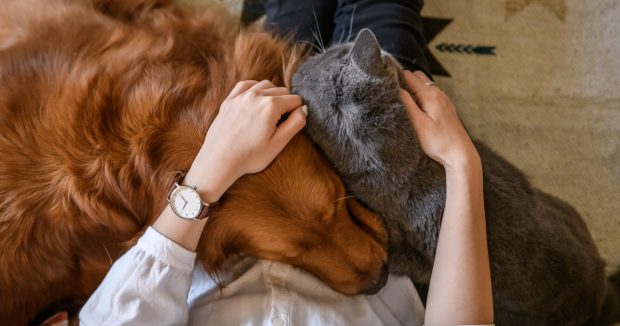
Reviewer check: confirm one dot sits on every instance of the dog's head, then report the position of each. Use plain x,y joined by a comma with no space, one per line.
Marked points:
297,212
123,99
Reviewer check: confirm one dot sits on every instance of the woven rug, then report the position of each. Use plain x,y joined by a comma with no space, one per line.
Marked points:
538,81
545,97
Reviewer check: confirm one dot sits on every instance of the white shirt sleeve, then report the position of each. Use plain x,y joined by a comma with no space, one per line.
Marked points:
148,285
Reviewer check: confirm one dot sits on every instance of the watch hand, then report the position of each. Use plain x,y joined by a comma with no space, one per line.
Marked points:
185,200
184,205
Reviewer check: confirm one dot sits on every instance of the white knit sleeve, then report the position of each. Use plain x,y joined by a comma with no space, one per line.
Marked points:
148,285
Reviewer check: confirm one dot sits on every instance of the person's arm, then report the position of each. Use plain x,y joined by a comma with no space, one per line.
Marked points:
150,283
460,288
244,138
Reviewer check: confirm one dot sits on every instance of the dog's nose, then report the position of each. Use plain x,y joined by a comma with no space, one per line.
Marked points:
379,283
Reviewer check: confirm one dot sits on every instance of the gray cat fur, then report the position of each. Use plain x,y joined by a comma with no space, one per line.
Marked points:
546,270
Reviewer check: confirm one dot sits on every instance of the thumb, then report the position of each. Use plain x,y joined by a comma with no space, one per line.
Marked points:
289,128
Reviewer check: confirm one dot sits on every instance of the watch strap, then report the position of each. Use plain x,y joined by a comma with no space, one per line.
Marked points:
204,211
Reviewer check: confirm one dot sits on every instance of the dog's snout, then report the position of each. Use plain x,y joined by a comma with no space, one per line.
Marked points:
379,282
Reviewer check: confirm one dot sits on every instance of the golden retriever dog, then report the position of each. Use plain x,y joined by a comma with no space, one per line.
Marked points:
100,102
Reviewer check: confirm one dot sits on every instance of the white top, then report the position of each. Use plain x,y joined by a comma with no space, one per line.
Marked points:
158,283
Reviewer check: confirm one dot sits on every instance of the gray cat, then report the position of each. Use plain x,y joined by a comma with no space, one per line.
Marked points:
545,267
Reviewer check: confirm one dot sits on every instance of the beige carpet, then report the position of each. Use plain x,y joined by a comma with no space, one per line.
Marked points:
548,100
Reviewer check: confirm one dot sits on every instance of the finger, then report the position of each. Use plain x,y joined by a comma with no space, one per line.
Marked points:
287,103
289,128
276,91
426,80
241,87
425,94
417,116
263,84
416,89
421,75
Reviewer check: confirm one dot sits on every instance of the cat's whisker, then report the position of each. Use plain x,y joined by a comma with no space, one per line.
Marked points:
341,36
311,44
320,41
318,31
403,58
351,23
343,198
317,42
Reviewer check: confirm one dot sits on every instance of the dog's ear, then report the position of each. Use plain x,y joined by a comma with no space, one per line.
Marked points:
128,9
368,221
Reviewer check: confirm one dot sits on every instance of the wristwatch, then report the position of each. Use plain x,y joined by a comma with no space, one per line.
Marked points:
185,200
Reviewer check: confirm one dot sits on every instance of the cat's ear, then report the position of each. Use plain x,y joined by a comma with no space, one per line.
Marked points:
366,53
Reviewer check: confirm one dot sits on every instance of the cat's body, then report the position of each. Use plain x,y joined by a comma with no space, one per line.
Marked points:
546,270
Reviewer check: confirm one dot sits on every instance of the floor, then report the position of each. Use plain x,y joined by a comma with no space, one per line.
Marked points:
548,100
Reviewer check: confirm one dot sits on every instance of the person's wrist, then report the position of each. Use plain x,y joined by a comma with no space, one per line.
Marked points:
465,163
210,177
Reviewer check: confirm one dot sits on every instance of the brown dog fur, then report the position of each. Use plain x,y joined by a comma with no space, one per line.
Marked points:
100,102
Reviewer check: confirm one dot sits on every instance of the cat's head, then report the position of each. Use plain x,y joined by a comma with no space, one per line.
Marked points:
351,91
347,84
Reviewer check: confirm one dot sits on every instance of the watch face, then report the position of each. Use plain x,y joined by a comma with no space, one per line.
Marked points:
185,202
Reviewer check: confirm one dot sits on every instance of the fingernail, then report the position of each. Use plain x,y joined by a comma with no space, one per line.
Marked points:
304,109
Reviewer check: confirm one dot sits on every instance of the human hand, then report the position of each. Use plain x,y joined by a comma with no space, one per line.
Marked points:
440,132
245,136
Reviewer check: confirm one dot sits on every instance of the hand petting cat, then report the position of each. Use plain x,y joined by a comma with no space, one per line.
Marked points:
461,278
437,125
